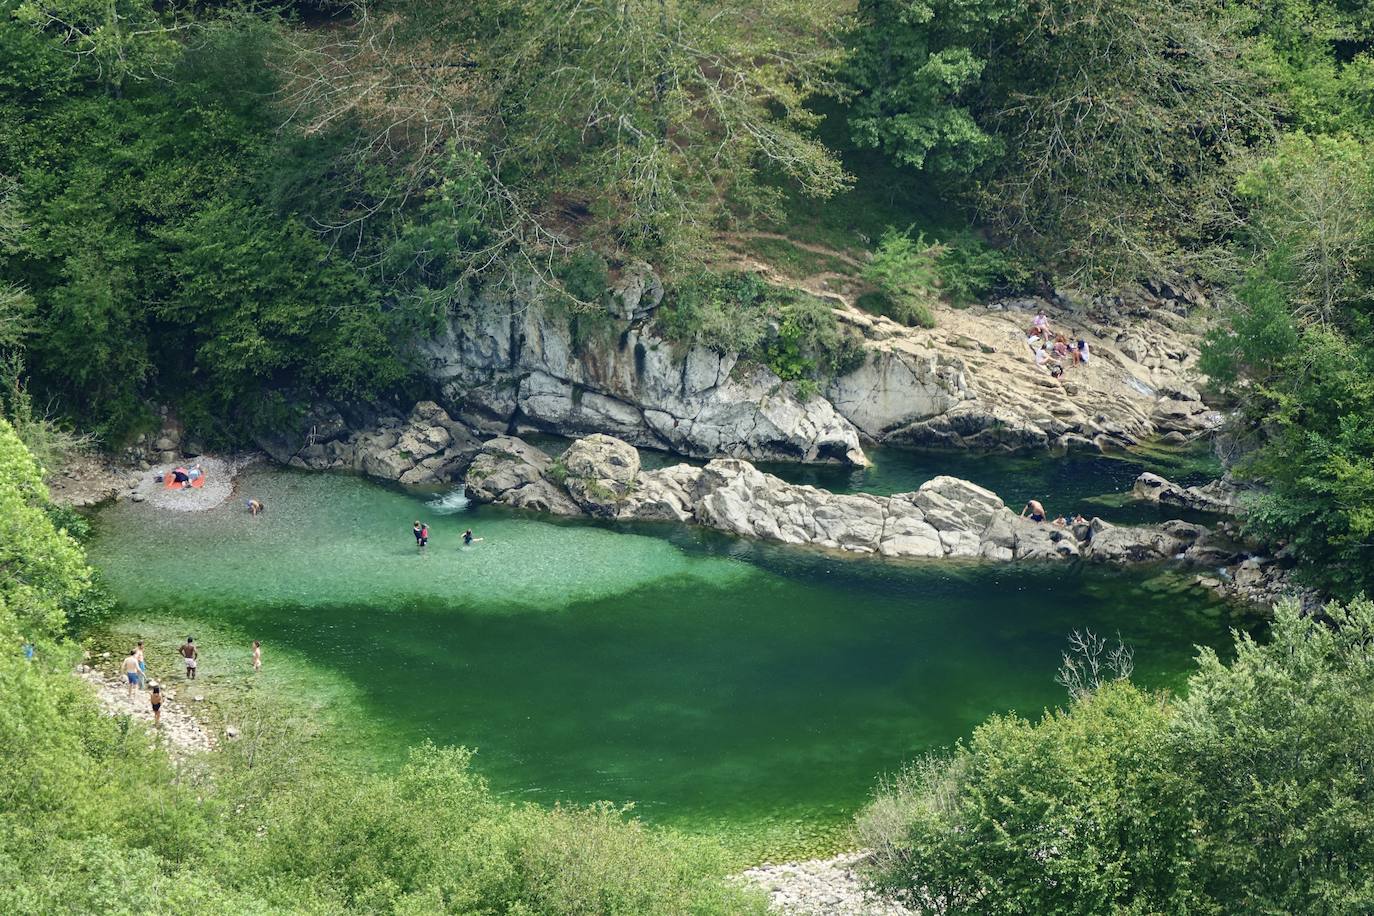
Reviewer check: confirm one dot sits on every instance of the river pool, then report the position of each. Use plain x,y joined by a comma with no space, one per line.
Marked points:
717,684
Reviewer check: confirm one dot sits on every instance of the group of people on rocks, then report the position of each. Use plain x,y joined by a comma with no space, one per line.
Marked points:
1054,350
1035,511
135,671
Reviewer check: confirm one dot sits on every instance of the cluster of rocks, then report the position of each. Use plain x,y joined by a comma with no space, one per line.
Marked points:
945,518
426,446
1220,496
821,887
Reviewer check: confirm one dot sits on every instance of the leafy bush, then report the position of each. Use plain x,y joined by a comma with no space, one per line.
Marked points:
907,274
970,269
795,334
1249,794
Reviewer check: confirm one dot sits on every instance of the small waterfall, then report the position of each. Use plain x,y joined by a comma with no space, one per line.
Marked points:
449,503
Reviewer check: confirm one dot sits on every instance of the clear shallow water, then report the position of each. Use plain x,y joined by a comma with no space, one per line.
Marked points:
715,683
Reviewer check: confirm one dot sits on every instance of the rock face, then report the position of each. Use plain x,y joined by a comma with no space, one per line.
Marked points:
945,518
504,365
1219,496
971,382
427,446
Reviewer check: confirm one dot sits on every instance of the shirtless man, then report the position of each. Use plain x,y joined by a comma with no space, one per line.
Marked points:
1034,510
191,655
130,669
156,698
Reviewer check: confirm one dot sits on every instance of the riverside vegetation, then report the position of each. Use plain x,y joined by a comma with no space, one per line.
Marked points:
96,819
242,209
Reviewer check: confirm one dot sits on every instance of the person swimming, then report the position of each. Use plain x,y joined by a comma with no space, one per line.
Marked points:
468,538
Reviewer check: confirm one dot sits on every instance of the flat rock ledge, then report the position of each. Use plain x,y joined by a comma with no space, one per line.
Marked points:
821,887
1220,496
600,476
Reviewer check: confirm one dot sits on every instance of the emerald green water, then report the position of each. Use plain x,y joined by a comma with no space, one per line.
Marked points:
715,683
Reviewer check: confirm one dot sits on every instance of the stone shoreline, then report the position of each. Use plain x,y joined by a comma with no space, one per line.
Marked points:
821,887
181,731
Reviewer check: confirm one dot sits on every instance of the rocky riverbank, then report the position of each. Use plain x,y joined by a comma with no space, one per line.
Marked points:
821,887
181,730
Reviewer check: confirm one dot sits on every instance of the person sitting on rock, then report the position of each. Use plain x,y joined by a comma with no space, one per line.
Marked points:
194,474
1034,510
1041,324
1060,522
1061,348
1080,353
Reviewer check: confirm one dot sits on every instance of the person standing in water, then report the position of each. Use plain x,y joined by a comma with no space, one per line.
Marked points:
192,656
156,698
257,655
130,669
468,538
420,533
254,506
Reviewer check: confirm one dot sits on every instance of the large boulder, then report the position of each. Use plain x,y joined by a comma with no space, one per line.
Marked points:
511,471
599,472
1220,496
898,384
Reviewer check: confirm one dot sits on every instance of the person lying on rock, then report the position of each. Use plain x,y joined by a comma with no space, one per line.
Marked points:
182,477
1034,510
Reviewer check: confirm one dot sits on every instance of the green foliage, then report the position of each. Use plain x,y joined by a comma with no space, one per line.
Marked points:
153,251
1278,747
1249,794
1295,351
907,275
1084,130
796,335
45,578
970,269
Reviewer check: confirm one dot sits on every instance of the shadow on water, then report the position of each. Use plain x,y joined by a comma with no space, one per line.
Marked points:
709,680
